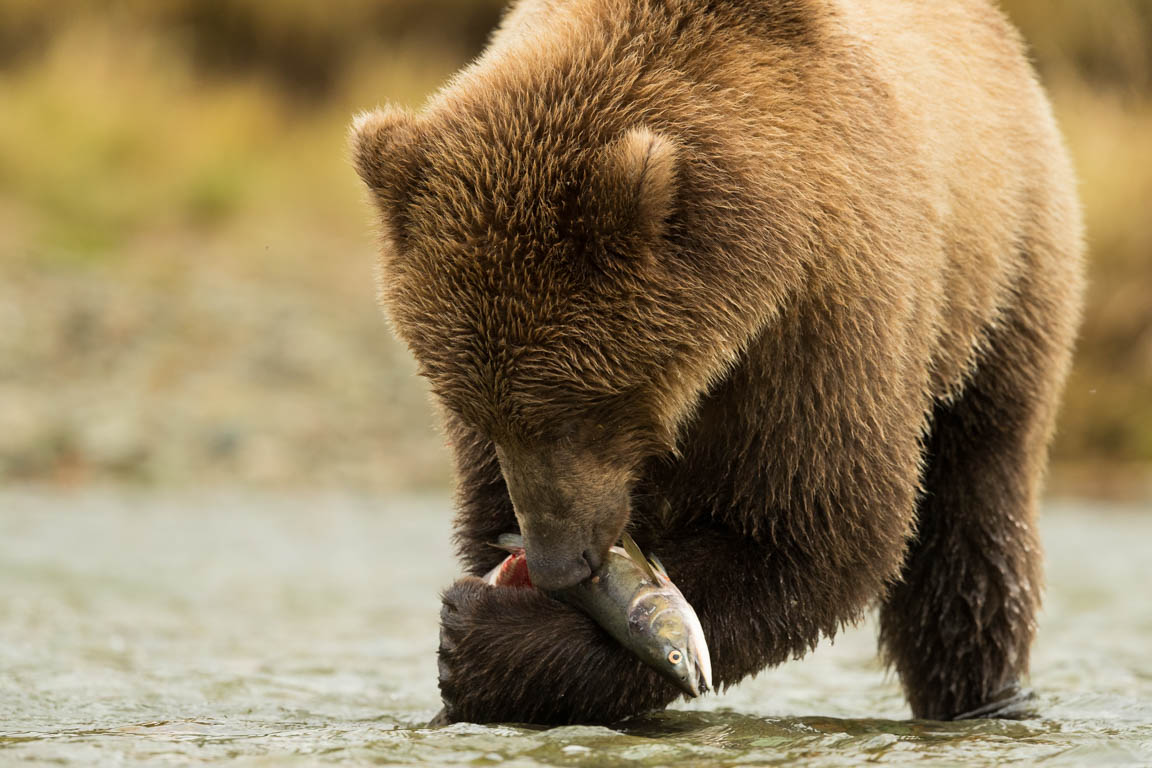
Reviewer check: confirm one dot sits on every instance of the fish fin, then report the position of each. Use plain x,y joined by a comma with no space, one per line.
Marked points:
659,566
633,550
509,542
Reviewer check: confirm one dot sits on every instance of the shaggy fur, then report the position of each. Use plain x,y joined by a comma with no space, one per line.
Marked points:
786,287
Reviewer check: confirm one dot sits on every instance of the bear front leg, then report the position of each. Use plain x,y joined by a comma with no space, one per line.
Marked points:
958,627
515,655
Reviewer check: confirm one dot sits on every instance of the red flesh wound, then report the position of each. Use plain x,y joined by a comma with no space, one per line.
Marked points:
514,572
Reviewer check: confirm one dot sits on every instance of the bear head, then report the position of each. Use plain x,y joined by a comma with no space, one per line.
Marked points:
537,269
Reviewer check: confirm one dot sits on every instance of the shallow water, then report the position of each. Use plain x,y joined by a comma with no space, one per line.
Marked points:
262,630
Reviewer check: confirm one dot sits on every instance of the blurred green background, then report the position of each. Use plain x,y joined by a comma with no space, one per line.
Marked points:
186,285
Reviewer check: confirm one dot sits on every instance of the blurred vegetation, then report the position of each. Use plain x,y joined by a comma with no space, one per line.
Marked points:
185,255
1096,58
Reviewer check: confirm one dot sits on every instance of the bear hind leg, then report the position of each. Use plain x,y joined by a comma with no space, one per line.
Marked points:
959,624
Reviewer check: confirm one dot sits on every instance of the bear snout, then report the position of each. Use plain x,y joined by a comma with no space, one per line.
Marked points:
553,571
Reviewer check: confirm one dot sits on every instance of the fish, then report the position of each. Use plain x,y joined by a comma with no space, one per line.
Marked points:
634,600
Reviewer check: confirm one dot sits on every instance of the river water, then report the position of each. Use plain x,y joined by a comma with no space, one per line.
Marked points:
263,630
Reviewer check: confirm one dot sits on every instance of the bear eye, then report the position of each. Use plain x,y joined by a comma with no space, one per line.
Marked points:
675,657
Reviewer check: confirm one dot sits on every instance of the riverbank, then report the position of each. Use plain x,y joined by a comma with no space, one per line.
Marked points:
190,371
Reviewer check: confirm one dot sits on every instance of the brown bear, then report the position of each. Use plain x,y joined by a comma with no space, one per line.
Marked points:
786,288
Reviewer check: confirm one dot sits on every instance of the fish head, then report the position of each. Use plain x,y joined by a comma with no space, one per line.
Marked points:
668,631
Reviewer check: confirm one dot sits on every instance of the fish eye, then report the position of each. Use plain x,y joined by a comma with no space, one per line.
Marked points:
675,657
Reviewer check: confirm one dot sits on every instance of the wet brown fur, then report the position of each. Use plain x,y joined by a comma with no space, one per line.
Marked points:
788,287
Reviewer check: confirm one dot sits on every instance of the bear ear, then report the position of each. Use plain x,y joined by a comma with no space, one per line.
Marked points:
382,142
637,184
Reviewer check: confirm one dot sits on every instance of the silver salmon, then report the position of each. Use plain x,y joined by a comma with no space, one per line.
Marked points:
633,599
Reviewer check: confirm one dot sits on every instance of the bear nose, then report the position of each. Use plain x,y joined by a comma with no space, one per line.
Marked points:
557,573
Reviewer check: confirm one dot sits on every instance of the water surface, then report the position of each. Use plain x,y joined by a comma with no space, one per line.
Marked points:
266,630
